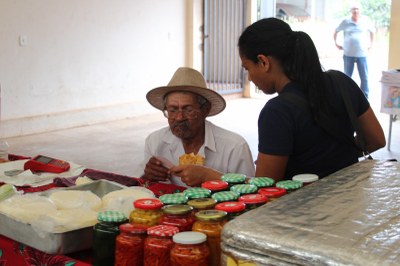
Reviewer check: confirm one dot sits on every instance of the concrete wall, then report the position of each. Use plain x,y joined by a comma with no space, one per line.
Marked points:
68,63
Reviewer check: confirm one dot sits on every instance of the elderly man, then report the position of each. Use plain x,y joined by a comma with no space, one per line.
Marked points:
186,102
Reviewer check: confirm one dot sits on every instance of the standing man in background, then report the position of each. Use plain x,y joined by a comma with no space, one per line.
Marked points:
358,36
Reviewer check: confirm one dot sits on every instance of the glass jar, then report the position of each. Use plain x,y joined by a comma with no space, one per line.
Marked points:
158,244
202,204
175,198
253,201
179,216
190,249
306,179
197,193
232,208
129,245
225,196
147,212
105,233
272,193
211,222
215,185
289,185
261,182
243,189
233,178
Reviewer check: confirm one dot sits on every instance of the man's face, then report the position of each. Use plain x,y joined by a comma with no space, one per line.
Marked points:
185,118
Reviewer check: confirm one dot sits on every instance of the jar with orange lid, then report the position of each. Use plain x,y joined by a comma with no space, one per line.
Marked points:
272,193
190,249
179,216
158,245
253,201
147,212
211,222
232,208
215,185
129,245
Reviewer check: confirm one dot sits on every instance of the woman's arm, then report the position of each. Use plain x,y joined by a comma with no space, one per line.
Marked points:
272,166
372,130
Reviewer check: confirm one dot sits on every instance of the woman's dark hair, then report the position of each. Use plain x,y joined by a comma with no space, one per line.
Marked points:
296,53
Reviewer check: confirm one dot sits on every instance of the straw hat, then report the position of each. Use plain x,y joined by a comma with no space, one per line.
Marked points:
187,80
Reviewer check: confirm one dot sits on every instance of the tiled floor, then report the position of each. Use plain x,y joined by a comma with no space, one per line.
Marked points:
118,146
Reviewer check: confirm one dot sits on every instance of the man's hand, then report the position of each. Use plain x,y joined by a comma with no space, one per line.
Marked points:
154,171
193,175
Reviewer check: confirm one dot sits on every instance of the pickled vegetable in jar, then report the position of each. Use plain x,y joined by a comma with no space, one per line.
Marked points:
147,212
105,233
129,245
215,185
211,222
289,185
232,208
197,193
272,193
179,216
253,201
158,245
190,249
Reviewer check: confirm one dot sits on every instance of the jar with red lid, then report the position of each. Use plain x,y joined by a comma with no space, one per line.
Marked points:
232,208
179,216
129,245
253,201
190,249
272,193
158,244
215,185
147,212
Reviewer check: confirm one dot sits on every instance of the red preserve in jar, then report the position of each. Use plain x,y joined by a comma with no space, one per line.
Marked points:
129,245
158,244
179,216
190,249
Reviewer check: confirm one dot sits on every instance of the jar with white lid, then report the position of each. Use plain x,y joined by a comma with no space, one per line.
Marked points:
190,248
306,179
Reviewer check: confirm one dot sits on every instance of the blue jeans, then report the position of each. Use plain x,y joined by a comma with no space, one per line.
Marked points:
362,68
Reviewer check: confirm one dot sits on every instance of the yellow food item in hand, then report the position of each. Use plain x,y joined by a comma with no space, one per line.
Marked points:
191,159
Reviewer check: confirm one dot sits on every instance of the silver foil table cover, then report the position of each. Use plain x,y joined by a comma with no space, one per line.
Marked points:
351,217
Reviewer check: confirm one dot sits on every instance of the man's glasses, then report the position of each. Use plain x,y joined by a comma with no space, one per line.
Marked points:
187,112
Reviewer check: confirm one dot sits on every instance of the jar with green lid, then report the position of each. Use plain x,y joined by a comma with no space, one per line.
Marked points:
306,179
202,204
158,244
175,198
179,216
243,189
261,182
105,233
289,185
215,186
272,193
232,208
197,193
253,201
234,178
147,212
225,196
190,249
211,222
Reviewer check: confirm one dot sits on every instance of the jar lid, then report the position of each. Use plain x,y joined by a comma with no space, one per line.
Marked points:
306,178
289,184
176,198
133,228
244,189
111,216
233,178
225,196
231,206
189,237
272,192
162,230
261,181
215,185
177,209
203,203
211,215
148,204
253,198
197,192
